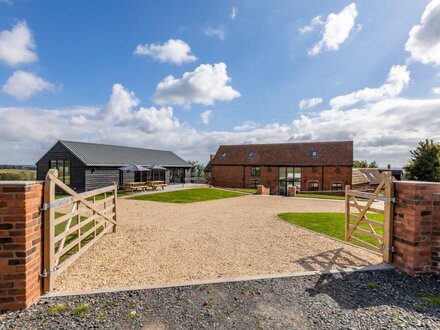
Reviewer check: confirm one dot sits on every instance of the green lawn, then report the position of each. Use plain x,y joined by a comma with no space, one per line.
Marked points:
247,191
321,196
189,196
331,224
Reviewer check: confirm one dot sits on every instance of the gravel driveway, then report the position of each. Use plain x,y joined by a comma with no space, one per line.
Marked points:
165,243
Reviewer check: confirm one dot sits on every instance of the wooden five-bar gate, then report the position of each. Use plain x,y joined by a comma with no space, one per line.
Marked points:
73,224
360,221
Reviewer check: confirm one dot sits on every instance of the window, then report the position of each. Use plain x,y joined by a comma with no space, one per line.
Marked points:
63,167
336,186
224,154
288,176
251,155
255,171
314,154
255,183
313,186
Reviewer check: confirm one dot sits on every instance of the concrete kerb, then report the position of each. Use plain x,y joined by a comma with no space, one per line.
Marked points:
380,267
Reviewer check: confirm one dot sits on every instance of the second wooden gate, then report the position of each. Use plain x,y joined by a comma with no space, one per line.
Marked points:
360,222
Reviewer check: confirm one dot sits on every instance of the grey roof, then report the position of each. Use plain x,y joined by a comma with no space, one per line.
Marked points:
94,154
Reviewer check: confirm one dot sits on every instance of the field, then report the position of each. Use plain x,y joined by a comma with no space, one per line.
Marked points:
330,224
7,174
189,196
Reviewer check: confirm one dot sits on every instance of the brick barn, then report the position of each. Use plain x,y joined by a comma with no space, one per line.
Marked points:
312,166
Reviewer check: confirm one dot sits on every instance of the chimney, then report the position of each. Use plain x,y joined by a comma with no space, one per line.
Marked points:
211,157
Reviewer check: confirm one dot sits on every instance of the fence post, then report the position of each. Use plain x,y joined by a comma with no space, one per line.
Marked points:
49,232
115,196
347,213
388,221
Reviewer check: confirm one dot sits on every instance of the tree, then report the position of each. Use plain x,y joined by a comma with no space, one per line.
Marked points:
373,164
360,163
197,168
364,164
425,162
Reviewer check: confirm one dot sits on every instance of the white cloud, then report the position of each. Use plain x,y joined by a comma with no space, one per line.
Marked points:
398,79
234,12
17,45
314,23
156,120
121,104
436,90
205,85
121,111
384,131
22,85
424,42
247,125
309,103
217,32
174,51
336,30
206,116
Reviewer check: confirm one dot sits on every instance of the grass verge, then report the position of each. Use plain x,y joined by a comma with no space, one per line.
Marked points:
189,196
321,196
331,224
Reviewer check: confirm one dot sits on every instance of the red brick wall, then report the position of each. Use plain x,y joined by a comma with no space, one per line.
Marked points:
435,234
337,174
417,227
268,177
240,176
227,176
20,244
311,174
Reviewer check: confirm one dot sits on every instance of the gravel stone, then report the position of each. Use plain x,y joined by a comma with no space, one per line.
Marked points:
328,301
168,243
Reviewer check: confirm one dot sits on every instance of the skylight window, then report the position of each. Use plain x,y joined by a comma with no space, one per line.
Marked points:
314,154
251,155
224,154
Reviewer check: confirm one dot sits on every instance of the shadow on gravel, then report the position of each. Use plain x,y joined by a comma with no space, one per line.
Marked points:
329,259
362,290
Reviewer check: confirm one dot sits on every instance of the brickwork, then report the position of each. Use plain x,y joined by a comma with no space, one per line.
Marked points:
332,174
227,176
20,244
262,190
240,176
417,227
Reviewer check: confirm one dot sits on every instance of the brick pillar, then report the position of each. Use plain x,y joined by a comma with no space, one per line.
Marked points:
416,227
262,190
435,241
20,243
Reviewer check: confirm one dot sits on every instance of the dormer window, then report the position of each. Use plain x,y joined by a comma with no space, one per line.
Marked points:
251,155
314,154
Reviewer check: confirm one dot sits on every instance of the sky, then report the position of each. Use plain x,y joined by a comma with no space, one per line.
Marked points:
188,76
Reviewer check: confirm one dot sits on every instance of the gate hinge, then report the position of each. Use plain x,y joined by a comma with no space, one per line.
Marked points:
60,202
47,273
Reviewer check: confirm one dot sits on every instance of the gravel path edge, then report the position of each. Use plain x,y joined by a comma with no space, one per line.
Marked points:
380,267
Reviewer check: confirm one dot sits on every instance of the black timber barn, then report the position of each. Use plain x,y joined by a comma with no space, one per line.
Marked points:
87,166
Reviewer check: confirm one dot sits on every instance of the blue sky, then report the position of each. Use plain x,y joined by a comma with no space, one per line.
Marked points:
70,70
